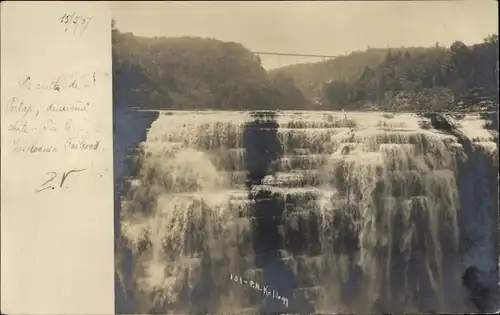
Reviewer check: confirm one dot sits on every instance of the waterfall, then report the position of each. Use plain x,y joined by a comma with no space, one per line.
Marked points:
335,212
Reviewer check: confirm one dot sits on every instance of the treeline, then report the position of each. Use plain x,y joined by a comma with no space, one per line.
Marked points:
438,78
195,73
202,73
434,78
310,77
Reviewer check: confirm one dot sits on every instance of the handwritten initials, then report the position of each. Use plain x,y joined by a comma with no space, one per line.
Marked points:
52,176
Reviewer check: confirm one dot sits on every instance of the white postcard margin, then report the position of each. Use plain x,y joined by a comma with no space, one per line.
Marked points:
57,235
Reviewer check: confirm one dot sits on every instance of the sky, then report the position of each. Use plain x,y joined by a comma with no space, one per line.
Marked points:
313,27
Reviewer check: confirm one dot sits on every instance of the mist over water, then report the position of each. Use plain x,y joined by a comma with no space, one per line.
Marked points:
356,212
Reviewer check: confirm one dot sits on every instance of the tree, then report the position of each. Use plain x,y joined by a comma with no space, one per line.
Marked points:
491,39
288,96
407,55
336,94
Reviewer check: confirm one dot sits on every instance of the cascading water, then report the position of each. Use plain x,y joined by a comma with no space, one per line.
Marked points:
334,212
184,215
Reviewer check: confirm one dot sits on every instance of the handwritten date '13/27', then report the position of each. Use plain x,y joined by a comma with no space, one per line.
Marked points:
52,176
74,22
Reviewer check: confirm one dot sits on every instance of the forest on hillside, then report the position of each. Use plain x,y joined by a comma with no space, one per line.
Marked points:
455,78
195,73
204,73
310,77
434,78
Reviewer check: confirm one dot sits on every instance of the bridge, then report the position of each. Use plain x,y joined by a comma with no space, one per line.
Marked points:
292,54
279,55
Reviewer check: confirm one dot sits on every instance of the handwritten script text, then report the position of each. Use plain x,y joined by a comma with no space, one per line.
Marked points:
42,119
266,291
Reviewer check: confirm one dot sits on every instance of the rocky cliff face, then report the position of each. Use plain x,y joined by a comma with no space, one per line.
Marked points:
130,129
478,189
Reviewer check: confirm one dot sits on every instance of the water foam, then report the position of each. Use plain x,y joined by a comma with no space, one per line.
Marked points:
367,206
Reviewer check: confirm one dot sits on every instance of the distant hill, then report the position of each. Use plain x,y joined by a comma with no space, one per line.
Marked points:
310,77
195,73
204,73
436,78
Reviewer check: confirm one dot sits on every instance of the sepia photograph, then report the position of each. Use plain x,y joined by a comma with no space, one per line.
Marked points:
305,157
